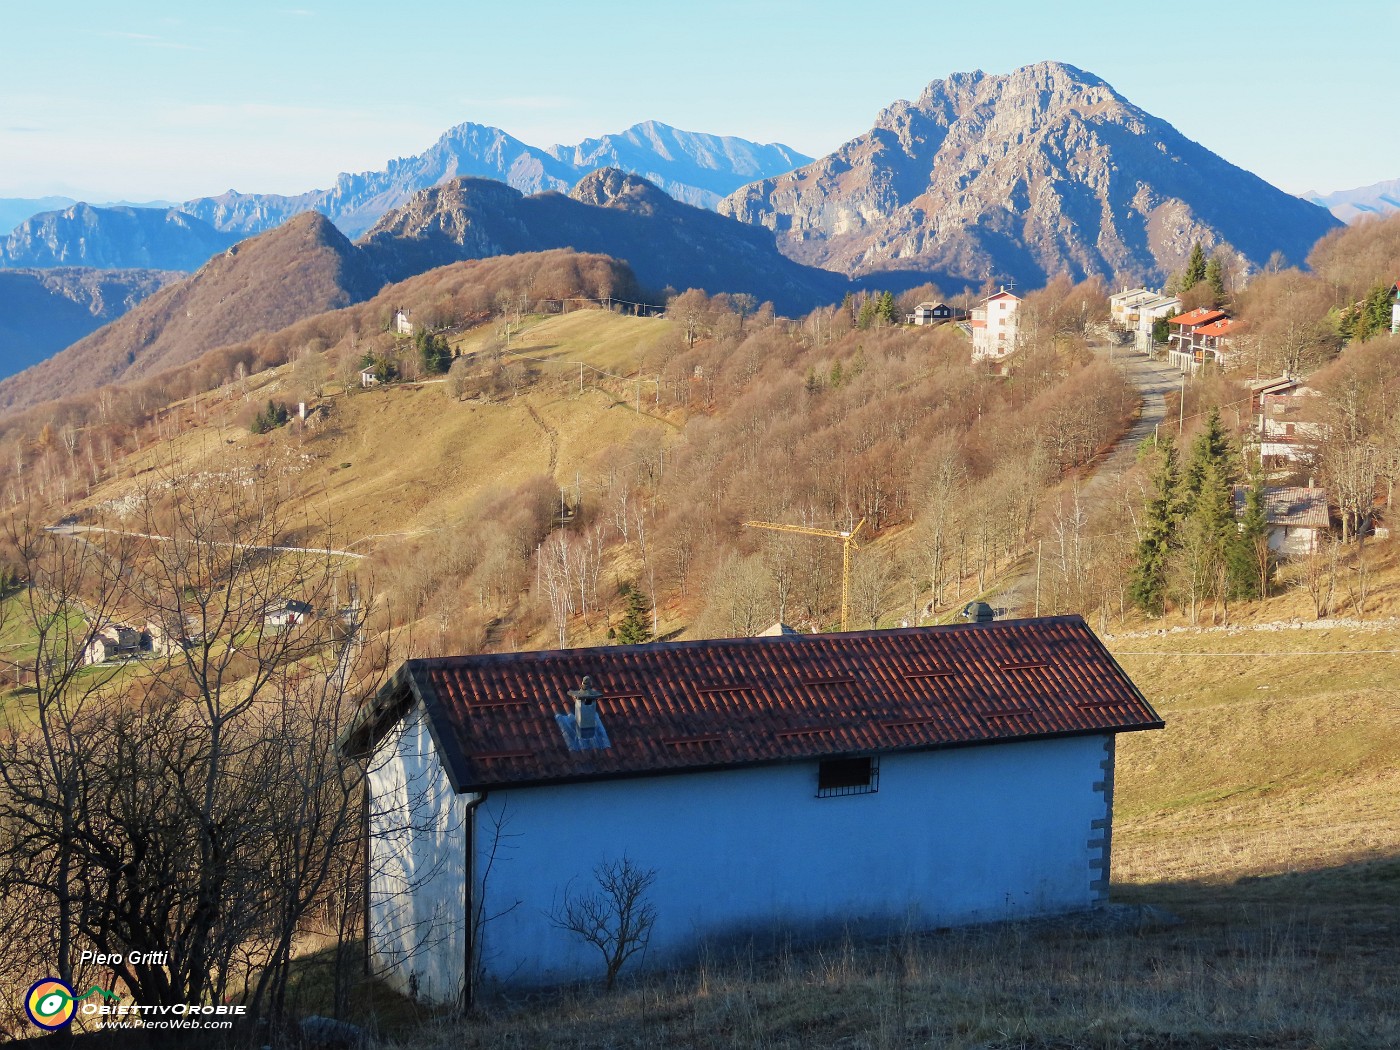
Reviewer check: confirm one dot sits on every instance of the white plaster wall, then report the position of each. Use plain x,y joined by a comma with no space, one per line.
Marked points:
417,855
950,837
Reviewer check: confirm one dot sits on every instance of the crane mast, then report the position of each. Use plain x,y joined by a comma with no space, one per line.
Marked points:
848,543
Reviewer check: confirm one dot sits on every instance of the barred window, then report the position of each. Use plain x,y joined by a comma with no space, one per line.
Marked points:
848,776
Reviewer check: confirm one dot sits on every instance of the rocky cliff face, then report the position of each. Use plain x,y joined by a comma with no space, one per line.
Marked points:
609,212
1043,171
113,238
694,168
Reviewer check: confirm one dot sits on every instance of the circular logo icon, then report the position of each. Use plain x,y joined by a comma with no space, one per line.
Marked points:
49,1003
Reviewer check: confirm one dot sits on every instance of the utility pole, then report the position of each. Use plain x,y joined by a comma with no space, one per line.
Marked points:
1038,544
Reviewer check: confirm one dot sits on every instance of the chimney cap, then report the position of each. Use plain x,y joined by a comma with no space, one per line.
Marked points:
585,691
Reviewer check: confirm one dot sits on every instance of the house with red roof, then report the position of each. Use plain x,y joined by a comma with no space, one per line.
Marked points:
1200,338
787,786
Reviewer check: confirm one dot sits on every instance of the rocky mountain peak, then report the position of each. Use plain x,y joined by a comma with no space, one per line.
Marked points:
613,188
1041,171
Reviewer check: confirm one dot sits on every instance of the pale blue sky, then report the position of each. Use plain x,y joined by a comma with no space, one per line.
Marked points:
152,99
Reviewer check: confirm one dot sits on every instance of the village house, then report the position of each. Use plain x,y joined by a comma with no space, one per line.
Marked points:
931,313
1289,433
1149,312
1199,338
1122,306
993,326
402,324
285,612
1298,517
112,642
773,787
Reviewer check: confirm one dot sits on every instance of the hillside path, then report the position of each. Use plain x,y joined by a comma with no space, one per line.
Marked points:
550,433
1015,593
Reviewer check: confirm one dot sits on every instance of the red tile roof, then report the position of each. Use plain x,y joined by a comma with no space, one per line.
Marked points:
1217,329
687,706
1200,315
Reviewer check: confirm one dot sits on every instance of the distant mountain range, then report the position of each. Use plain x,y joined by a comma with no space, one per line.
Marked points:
695,168
113,238
14,210
1044,171
1381,198
611,212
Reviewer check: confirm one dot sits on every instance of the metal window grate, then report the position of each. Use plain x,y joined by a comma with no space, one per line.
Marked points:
848,776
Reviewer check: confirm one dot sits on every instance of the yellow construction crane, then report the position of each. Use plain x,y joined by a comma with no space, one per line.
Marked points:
848,543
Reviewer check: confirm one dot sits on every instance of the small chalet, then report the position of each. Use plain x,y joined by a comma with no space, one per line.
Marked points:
1199,338
1298,517
931,313
993,326
402,324
791,785
285,612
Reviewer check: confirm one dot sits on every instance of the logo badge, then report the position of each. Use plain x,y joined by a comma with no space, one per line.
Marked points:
49,1003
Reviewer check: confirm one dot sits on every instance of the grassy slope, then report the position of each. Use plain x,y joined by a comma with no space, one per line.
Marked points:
416,458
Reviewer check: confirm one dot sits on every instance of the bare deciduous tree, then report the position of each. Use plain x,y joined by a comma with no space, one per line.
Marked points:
616,918
192,802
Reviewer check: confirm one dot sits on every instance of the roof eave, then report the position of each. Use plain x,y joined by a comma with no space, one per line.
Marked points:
468,786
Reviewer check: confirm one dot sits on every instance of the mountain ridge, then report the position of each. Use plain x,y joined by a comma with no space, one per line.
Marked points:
1026,175
719,164
611,212
1377,199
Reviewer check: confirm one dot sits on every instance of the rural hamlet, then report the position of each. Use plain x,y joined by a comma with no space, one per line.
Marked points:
781,786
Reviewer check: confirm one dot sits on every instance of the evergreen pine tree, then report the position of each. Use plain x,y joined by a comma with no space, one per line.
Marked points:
886,312
1195,269
1252,562
1215,277
1148,583
636,620
866,317
1210,450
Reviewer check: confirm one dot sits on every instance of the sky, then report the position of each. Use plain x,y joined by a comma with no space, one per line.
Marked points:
147,100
